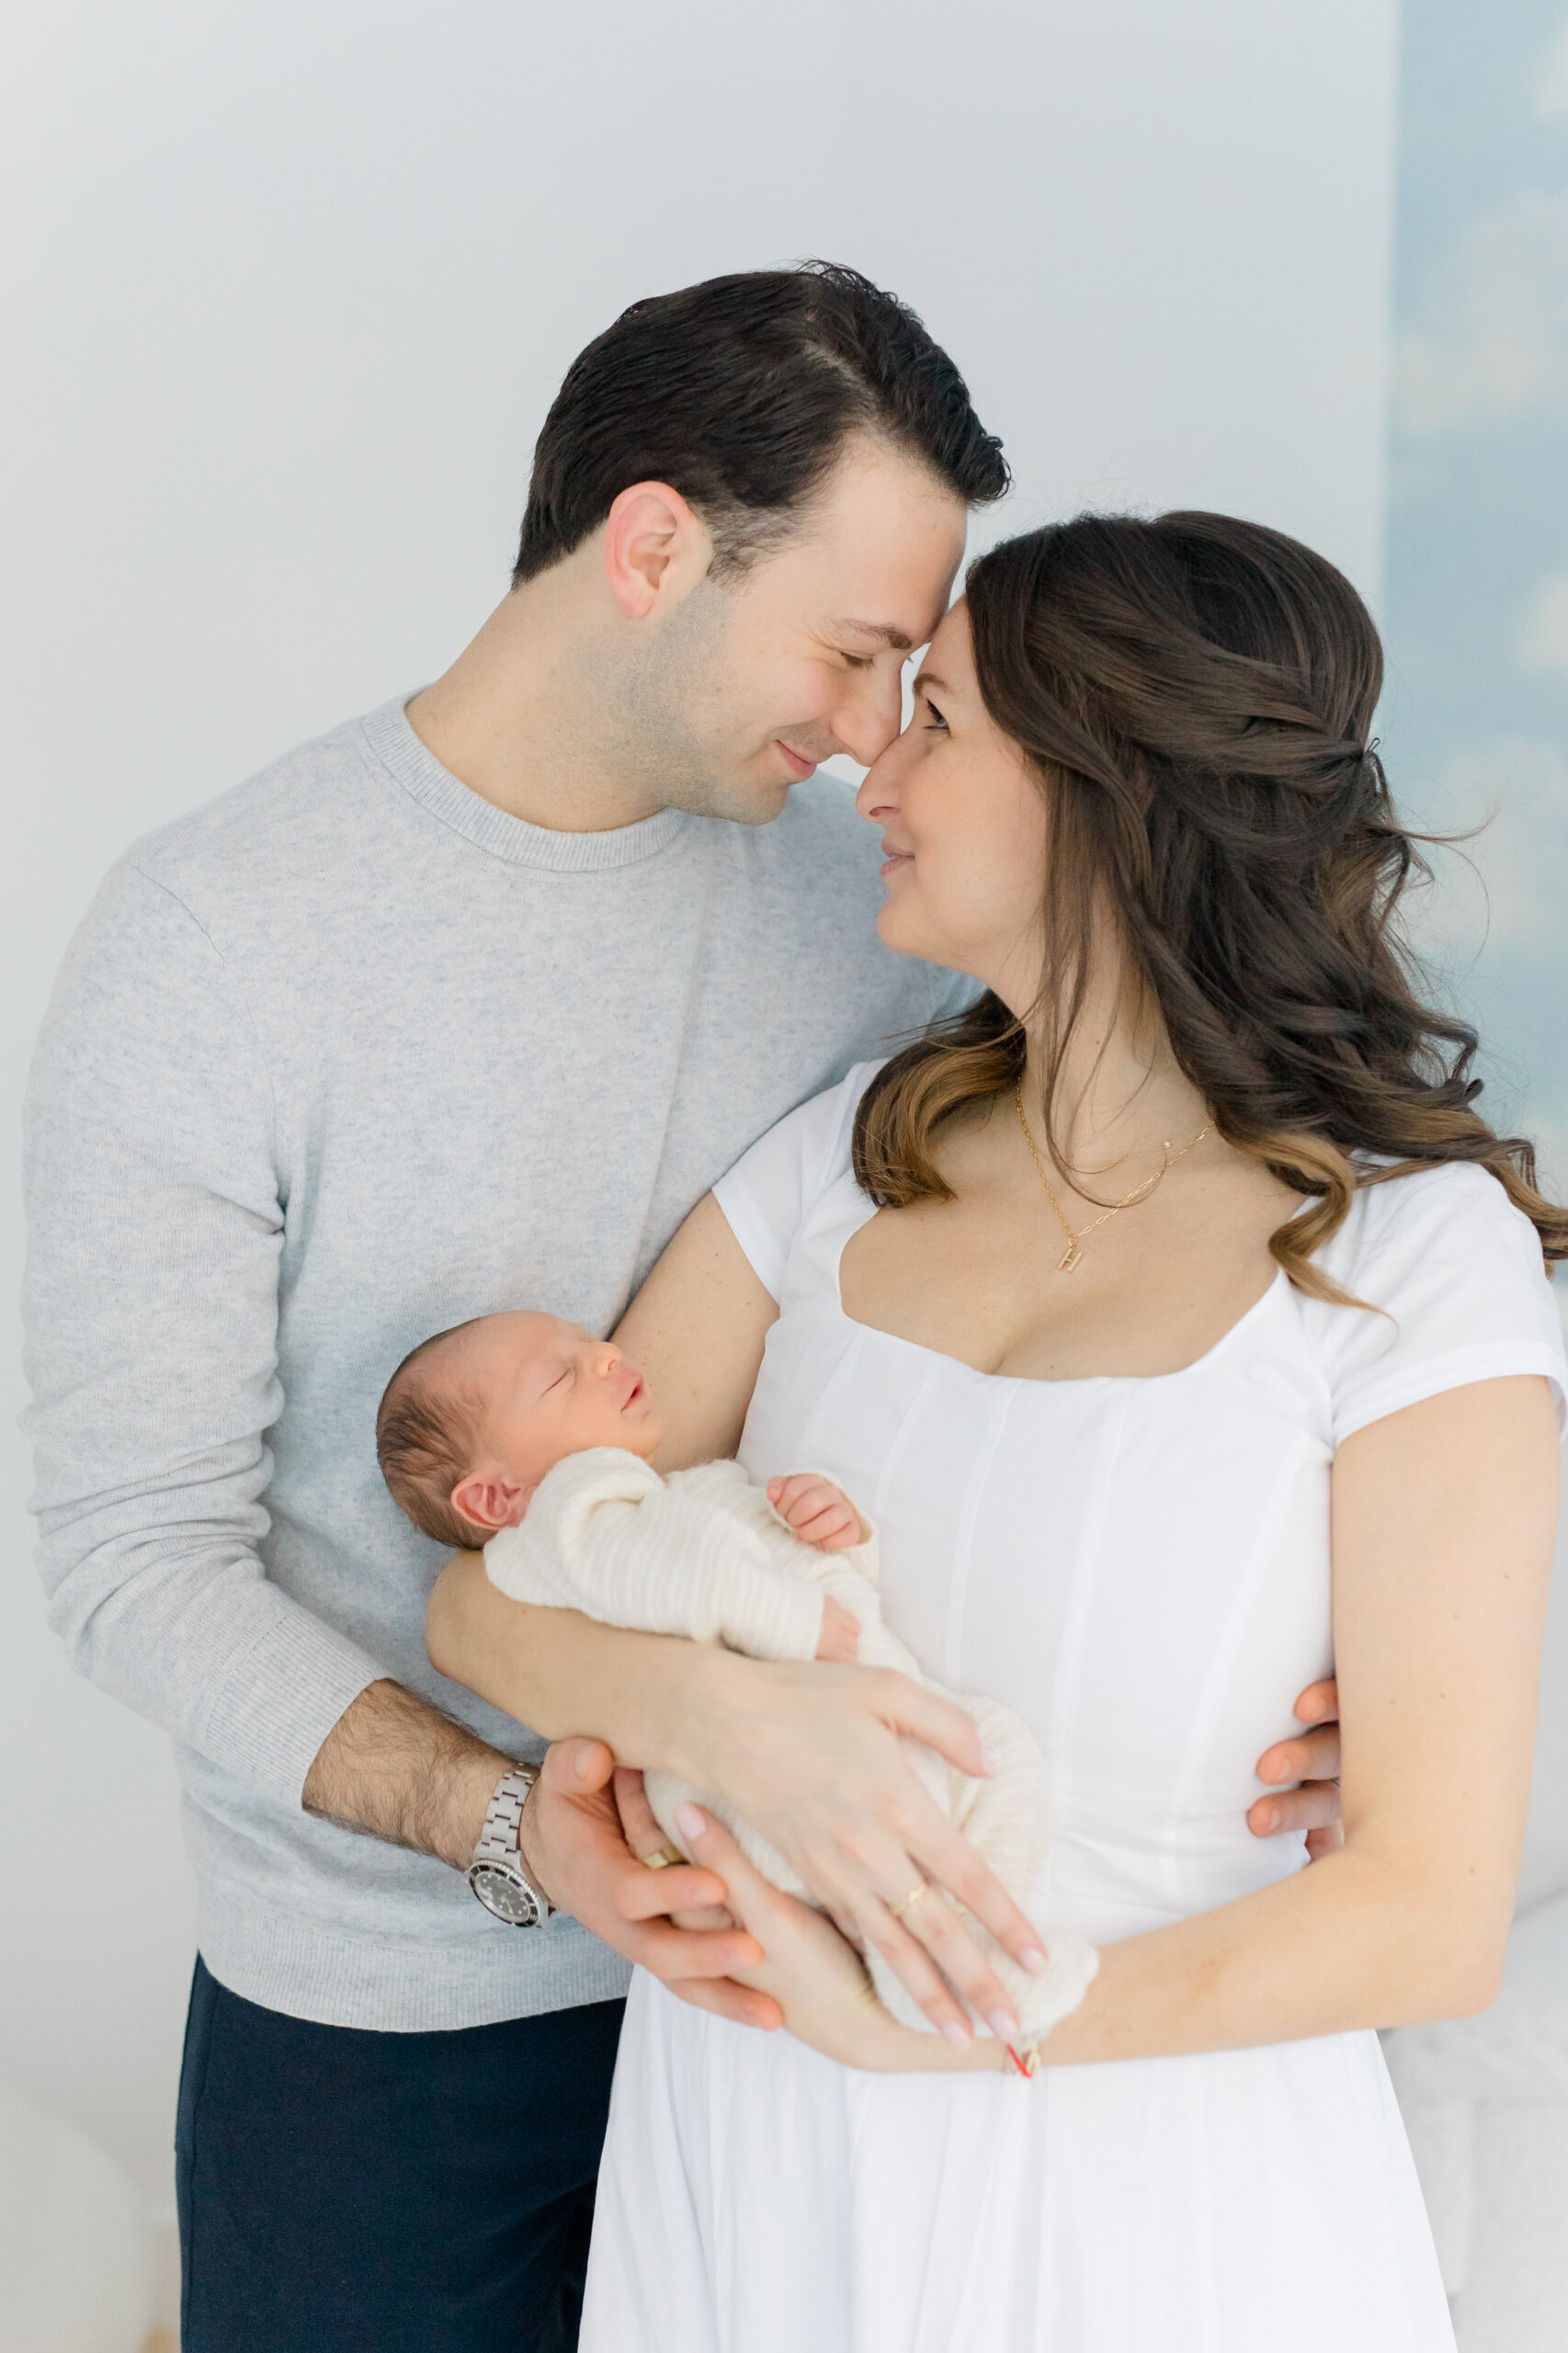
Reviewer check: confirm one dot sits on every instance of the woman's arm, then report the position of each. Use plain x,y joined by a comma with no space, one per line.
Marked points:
811,1754
696,1332
1443,1523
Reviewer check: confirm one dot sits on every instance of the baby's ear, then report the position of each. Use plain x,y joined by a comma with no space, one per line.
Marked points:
490,1503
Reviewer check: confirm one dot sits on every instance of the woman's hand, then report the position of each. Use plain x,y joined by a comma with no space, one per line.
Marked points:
813,1756
814,1976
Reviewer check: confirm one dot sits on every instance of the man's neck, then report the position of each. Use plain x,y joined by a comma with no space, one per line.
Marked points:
512,718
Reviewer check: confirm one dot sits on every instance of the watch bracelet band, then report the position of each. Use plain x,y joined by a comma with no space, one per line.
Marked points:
504,1815
499,1846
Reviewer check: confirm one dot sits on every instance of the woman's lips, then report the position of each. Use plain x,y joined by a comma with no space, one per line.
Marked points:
893,860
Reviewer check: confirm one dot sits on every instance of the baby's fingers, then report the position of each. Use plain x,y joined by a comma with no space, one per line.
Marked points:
797,1497
830,1529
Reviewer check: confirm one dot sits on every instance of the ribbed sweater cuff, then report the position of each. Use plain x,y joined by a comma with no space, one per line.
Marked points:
276,1702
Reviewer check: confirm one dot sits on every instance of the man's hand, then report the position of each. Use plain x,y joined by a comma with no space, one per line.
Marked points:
572,1838
1312,1763
818,1512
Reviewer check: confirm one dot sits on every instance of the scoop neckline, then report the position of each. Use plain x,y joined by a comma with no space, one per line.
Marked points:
1033,1380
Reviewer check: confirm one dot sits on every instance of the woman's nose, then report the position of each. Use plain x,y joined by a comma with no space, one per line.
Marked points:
877,797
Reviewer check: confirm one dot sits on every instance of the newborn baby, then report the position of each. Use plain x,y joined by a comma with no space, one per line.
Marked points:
526,1435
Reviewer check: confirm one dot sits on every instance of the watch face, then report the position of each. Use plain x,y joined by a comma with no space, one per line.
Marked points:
504,1895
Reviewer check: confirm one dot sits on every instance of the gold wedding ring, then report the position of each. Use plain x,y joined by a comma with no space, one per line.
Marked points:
662,1860
906,1904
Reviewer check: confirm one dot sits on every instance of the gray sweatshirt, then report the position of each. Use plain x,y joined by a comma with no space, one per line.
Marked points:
342,1058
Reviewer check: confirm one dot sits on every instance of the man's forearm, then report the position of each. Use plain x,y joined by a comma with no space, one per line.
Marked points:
396,1768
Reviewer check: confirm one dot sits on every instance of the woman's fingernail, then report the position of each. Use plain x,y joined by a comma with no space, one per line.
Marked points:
1034,1960
1004,2026
690,1821
958,2034
1271,1819
987,1762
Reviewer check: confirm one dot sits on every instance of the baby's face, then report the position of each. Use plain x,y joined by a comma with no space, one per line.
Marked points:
548,1389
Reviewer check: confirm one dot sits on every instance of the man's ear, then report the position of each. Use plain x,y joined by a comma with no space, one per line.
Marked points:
488,1502
656,549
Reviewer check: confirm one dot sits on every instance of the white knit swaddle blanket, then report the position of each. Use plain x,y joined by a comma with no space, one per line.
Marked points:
704,1554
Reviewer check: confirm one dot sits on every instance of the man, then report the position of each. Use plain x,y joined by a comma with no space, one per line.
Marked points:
461,1006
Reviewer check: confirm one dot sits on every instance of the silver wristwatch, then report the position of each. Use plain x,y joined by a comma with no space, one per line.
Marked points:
496,1873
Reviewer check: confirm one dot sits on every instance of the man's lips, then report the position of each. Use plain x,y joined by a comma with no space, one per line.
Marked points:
797,760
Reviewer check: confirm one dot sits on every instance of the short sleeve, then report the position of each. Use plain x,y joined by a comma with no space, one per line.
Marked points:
1456,1271
772,1189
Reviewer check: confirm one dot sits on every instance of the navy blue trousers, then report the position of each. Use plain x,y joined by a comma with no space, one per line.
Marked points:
343,2192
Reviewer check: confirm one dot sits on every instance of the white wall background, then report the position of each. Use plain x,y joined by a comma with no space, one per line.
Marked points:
294,286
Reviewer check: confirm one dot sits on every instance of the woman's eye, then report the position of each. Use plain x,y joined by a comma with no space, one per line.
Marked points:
934,719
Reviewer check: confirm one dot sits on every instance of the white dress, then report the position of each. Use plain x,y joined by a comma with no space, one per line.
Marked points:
1139,1567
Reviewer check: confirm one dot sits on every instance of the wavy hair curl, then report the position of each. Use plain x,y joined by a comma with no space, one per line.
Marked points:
1194,694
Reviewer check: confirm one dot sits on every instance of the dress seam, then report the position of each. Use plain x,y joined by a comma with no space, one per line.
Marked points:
958,1596
1084,1580
1216,1682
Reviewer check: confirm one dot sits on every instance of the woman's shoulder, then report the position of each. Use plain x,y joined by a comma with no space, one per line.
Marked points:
1449,1286
1396,1222
773,1187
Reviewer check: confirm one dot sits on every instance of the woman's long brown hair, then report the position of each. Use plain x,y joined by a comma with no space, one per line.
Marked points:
1194,695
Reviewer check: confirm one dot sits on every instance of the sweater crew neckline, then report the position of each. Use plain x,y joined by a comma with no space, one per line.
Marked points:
394,746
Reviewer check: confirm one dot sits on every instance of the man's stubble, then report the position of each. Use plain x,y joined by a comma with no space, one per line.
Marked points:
668,716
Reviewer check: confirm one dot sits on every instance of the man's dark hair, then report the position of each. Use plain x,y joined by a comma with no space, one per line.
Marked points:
740,393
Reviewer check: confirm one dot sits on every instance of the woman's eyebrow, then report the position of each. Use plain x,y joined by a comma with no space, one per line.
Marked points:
929,678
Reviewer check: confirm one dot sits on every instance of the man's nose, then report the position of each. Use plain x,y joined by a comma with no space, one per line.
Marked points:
869,719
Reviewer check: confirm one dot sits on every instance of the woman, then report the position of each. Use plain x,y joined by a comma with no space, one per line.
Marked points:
1097,1303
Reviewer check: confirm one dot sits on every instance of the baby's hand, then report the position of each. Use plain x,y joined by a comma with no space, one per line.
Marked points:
840,1636
818,1512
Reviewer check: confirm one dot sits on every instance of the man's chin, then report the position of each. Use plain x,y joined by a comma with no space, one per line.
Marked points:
753,803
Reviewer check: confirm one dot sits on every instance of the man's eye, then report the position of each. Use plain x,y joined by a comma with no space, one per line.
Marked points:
859,661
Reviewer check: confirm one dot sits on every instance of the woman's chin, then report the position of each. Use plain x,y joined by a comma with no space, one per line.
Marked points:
901,931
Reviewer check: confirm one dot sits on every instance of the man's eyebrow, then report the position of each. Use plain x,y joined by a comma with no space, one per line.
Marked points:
882,630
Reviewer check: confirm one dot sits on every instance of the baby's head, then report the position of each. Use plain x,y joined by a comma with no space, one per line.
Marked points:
473,1418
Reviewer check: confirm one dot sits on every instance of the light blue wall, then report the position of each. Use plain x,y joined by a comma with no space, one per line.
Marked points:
1475,718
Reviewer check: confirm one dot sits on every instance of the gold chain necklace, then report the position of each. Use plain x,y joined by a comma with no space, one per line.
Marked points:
1073,1254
